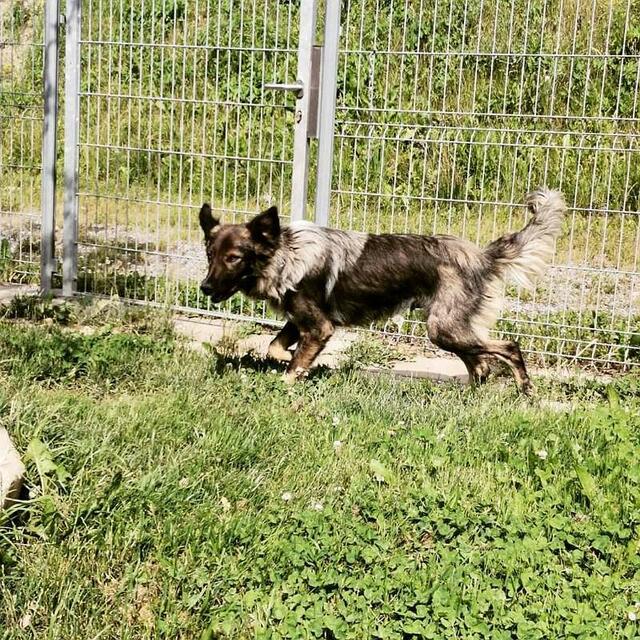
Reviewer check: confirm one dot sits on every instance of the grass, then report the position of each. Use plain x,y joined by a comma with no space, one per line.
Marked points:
374,350
178,495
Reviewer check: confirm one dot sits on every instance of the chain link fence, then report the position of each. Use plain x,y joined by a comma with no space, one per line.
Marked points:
446,114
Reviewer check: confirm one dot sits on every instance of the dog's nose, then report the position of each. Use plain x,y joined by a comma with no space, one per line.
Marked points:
206,288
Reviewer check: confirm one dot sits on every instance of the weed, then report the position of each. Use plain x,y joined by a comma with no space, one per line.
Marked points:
370,350
36,309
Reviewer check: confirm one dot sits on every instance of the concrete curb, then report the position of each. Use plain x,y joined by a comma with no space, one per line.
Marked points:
434,368
10,291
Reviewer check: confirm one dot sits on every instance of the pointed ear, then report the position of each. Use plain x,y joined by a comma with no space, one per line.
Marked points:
207,221
265,227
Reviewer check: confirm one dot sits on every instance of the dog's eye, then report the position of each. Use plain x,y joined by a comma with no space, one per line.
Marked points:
233,259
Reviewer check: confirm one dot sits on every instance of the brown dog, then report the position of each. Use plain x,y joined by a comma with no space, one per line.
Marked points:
323,278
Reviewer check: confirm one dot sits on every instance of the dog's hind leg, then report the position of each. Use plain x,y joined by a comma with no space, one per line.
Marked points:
509,352
452,332
482,369
279,347
477,367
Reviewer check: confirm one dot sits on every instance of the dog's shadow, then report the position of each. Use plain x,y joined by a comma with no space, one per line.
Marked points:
223,361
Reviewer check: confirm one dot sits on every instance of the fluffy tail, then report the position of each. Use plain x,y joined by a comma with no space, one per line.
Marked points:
523,257
520,257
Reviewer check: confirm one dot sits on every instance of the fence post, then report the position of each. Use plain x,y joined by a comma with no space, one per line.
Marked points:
301,138
49,140
71,132
328,86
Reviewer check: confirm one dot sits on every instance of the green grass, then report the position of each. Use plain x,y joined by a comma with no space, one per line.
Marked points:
373,350
177,495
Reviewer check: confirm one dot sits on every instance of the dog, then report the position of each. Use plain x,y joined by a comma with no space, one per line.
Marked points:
322,278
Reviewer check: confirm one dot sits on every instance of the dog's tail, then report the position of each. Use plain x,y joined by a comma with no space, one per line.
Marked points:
523,257
520,257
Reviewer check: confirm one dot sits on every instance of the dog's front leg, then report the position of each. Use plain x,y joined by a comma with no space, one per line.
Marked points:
313,337
279,347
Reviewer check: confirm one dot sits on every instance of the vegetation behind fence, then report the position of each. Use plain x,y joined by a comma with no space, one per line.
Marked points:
447,113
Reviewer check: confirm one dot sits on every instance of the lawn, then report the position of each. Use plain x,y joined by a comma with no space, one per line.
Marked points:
174,494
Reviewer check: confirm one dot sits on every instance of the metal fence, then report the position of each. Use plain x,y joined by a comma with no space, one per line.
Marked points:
21,131
422,117
173,112
448,112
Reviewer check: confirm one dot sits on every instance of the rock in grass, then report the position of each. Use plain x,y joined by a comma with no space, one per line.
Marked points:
11,471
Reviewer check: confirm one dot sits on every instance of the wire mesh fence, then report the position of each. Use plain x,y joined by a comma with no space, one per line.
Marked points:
21,127
447,113
172,113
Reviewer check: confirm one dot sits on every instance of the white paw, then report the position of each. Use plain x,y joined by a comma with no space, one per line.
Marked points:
289,377
277,352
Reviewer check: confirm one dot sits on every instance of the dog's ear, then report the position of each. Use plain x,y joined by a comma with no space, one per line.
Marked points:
265,227
207,221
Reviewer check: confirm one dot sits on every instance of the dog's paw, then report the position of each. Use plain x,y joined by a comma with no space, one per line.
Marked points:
289,378
277,352
527,389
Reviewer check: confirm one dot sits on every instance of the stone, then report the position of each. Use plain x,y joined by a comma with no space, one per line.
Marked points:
334,353
440,369
199,330
257,344
11,471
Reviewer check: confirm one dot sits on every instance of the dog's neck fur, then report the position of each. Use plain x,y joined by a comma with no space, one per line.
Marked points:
306,250
297,254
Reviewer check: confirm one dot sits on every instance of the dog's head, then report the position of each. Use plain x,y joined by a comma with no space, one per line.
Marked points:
236,252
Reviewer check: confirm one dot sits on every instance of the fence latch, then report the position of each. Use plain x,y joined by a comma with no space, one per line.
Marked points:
298,88
295,87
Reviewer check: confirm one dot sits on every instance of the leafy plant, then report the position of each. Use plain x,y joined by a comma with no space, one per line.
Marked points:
371,350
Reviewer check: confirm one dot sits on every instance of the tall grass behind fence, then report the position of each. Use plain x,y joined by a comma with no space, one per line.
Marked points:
448,112
21,120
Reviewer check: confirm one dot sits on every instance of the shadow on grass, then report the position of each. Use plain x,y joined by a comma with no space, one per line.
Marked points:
224,361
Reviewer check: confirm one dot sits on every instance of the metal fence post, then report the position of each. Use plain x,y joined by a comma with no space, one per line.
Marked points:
328,87
301,138
49,135
71,133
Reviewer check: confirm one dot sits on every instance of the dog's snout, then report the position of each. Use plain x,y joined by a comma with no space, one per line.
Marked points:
206,288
